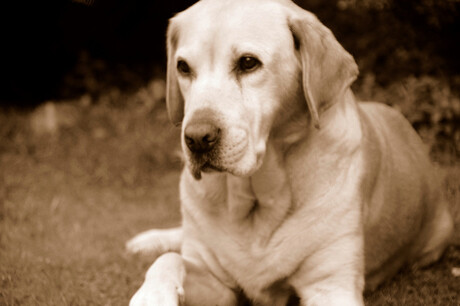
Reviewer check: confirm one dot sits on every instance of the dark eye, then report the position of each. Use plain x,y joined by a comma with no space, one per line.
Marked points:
248,63
183,67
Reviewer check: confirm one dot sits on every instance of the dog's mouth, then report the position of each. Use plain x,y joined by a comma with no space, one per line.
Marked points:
205,162
199,163
233,153
206,167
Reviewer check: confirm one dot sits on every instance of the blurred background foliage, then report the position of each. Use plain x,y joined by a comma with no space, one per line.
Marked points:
407,52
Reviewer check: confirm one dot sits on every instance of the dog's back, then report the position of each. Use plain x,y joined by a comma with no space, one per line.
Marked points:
420,238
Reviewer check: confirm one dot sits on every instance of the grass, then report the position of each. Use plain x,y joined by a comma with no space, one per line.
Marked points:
78,179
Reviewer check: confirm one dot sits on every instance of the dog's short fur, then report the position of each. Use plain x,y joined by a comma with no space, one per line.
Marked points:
291,187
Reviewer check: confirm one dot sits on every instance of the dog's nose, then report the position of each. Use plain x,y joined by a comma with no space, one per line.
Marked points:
201,137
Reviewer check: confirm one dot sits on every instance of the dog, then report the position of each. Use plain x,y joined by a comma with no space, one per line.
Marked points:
292,192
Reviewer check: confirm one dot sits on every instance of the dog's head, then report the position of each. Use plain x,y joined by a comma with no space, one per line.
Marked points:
234,66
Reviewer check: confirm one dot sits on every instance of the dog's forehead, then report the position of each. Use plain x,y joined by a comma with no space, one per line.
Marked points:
230,24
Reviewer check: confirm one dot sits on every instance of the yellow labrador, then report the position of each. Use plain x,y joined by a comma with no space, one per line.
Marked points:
291,187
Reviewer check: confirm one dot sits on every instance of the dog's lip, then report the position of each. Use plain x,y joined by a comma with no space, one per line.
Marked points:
208,167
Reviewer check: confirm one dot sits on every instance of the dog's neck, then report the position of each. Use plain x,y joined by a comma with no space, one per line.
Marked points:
268,187
339,125
244,201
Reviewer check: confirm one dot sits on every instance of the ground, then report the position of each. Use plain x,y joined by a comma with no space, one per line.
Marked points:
78,178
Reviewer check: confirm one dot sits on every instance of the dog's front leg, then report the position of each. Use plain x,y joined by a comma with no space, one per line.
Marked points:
163,284
333,276
155,242
172,280
333,292
334,296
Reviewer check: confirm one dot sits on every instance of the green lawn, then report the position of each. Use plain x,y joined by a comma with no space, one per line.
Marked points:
77,180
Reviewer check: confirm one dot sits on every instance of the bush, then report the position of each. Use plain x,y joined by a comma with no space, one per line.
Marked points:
428,103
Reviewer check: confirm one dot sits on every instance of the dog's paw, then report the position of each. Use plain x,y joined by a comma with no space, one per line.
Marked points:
158,294
163,283
145,242
156,242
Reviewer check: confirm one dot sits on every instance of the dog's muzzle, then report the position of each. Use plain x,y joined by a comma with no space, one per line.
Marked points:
202,139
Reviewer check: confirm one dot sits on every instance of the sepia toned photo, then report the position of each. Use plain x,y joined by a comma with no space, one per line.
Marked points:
230,152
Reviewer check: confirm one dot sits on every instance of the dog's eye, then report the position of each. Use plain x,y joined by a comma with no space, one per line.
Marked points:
183,67
248,63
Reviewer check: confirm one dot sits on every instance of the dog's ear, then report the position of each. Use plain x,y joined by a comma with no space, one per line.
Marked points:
174,99
327,69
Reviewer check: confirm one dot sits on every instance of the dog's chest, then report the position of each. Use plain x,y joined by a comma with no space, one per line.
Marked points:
241,224
246,244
